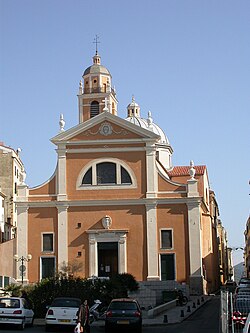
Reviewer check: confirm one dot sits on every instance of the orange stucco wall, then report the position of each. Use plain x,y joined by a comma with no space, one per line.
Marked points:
40,220
48,188
123,218
175,217
76,162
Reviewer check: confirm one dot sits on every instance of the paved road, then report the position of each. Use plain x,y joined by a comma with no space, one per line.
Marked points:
204,320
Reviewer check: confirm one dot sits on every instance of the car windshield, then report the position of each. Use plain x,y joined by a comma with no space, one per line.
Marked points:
9,303
123,306
70,303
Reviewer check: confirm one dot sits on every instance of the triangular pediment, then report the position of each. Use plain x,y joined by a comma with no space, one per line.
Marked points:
105,126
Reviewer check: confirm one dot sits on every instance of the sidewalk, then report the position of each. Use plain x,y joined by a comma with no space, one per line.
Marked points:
178,313
175,315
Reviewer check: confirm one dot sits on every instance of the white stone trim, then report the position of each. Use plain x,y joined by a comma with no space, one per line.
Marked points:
48,233
40,263
111,202
175,266
22,240
61,174
152,175
62,235
152,242
195,243
119,236
166,249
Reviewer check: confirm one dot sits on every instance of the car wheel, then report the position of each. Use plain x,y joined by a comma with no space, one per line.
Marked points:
138,329
107,328
32,323
22,325
47,328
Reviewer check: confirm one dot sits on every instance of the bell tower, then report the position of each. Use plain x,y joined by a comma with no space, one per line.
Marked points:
96,94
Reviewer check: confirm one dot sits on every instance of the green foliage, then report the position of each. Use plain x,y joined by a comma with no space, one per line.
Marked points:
42,293
13,289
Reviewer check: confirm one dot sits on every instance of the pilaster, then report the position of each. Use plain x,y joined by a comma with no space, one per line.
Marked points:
22,242
61,174
152,244
62,235
195,247
152,179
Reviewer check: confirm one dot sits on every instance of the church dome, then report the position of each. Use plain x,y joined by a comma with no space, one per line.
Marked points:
134,117
96,68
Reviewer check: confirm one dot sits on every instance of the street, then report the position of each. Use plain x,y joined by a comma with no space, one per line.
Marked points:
204,320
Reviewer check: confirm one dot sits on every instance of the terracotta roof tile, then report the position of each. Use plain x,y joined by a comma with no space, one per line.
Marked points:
184,170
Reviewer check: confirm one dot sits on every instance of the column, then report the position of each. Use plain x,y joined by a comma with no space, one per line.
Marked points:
22,241
152,175
61,174
62,235
122,254
93,260
195,247
152,244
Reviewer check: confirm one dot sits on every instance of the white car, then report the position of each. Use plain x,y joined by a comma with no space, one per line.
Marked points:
16,311
62,312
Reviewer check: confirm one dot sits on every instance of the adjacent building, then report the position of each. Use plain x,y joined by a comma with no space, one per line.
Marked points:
116,203
247,248
12,174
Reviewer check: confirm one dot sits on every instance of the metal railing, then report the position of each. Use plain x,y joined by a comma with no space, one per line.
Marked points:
234,311
96,90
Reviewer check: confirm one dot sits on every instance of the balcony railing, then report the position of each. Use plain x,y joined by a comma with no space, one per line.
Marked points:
96,90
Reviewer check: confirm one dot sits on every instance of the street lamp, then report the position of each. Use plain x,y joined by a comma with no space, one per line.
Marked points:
22,259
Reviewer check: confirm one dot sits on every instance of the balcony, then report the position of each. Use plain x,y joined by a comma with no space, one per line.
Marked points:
97,90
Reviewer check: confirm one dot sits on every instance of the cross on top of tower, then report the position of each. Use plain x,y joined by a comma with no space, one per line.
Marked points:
96,43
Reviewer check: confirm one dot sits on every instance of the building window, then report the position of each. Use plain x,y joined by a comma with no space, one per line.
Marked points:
6,281
166,239
167,267
87,179
94,109
48,245
106,173
47,267
125,177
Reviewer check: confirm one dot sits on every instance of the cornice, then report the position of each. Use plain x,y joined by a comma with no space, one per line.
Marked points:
119,202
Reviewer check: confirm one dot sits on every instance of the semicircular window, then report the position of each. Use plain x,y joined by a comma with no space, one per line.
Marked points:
107,173
125,177
87,179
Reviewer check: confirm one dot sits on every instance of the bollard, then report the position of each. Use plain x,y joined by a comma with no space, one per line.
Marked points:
194,306
188,308
202,299
182,313
165,319
198,301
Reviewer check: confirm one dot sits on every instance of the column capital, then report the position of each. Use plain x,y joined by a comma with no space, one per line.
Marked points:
22,208
62,208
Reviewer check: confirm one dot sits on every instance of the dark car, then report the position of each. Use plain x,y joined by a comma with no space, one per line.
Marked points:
123,313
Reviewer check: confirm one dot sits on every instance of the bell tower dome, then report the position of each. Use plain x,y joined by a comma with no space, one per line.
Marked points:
96,94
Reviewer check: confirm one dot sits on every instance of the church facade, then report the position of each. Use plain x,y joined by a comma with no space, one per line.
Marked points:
115,202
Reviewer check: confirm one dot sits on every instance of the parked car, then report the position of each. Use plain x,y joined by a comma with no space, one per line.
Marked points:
16,311
62,312
123,313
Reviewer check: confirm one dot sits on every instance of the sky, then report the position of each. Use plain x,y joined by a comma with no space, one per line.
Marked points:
186,61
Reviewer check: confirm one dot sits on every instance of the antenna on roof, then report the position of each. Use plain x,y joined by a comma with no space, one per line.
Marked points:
96,43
